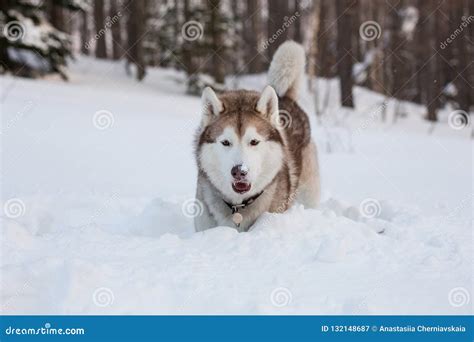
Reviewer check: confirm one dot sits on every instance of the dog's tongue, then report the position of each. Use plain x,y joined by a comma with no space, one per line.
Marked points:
242,186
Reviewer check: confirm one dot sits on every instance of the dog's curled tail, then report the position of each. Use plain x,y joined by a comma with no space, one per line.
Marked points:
287,69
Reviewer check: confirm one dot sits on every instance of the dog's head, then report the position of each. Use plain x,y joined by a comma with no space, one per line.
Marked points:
239,146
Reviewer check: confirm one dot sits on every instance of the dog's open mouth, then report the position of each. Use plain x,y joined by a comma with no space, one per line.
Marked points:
241,187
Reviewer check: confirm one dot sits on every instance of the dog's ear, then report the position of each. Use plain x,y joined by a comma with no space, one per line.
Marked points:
211,105
267,105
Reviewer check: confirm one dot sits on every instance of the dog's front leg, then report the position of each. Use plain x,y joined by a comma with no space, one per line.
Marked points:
204,220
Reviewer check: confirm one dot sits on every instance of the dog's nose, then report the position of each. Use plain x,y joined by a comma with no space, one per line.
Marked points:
239,171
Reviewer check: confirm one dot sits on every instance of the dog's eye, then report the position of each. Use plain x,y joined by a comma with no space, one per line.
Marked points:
254,142
225,142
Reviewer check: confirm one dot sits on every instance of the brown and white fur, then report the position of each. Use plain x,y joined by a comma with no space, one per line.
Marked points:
250,143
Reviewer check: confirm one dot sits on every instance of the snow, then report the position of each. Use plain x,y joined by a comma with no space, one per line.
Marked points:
410,17
98,181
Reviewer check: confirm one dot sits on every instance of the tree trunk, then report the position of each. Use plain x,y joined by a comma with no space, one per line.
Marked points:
117,50
277,31
101,47
297,32
428,69
218,69
344,13
188,61
464,50
136,30
253,33
85,36
323,55
356,22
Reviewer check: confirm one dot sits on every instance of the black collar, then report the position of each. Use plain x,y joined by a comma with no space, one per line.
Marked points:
235,207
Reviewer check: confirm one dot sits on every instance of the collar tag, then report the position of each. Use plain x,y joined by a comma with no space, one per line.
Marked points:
237,218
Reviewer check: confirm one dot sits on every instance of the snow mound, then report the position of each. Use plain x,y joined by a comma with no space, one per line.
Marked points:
334,260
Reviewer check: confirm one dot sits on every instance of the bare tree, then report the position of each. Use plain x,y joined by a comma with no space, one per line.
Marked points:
85,34
324,55
187,53
117,50
278,11
297,30
136,32
464,56
253,34
429,85
345,12
99,21
218,70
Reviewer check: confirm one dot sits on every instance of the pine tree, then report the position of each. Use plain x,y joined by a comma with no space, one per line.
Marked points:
30,45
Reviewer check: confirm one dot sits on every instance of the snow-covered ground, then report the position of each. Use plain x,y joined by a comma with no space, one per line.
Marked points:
98,181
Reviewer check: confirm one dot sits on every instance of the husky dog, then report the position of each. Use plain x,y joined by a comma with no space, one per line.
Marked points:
254,150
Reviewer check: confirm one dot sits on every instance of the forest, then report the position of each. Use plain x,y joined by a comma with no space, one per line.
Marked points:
414,50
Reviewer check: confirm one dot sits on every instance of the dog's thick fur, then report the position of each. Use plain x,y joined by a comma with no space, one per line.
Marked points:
283,166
